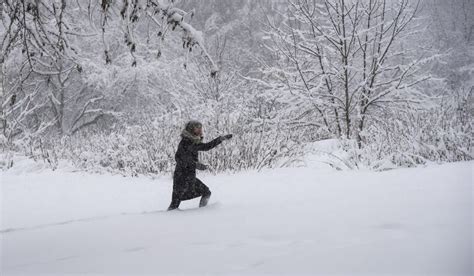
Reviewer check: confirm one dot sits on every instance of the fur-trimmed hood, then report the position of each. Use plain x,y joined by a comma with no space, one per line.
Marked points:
188,131
186,134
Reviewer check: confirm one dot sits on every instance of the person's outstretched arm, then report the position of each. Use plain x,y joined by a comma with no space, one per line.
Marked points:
212,144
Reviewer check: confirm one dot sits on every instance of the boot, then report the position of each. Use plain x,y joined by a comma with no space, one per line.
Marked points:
204,200
174,205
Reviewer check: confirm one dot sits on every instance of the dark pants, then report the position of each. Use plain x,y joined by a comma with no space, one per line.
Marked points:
191,190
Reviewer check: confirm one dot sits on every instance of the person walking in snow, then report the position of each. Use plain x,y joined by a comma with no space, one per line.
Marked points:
185,184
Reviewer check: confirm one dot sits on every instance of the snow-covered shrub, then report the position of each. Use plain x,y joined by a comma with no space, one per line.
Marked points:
149,148
130,150
441,133
255,146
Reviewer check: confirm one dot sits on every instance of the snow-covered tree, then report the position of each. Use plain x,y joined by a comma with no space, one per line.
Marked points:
62,60
342,62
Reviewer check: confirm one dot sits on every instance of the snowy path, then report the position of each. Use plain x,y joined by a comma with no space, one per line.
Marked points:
285,221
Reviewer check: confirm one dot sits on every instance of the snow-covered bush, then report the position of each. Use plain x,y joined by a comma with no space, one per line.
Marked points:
442,133
149,148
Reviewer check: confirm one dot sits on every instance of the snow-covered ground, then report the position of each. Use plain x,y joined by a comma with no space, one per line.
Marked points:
283,221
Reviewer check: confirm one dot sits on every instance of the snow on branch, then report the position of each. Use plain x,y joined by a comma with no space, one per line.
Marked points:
175,19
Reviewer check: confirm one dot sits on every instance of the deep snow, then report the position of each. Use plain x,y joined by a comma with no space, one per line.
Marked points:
284,221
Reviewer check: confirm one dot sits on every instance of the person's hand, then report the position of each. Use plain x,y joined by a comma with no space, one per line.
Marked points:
226,137
201,166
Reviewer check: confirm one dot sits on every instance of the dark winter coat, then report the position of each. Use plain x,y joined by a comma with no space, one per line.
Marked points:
185,184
